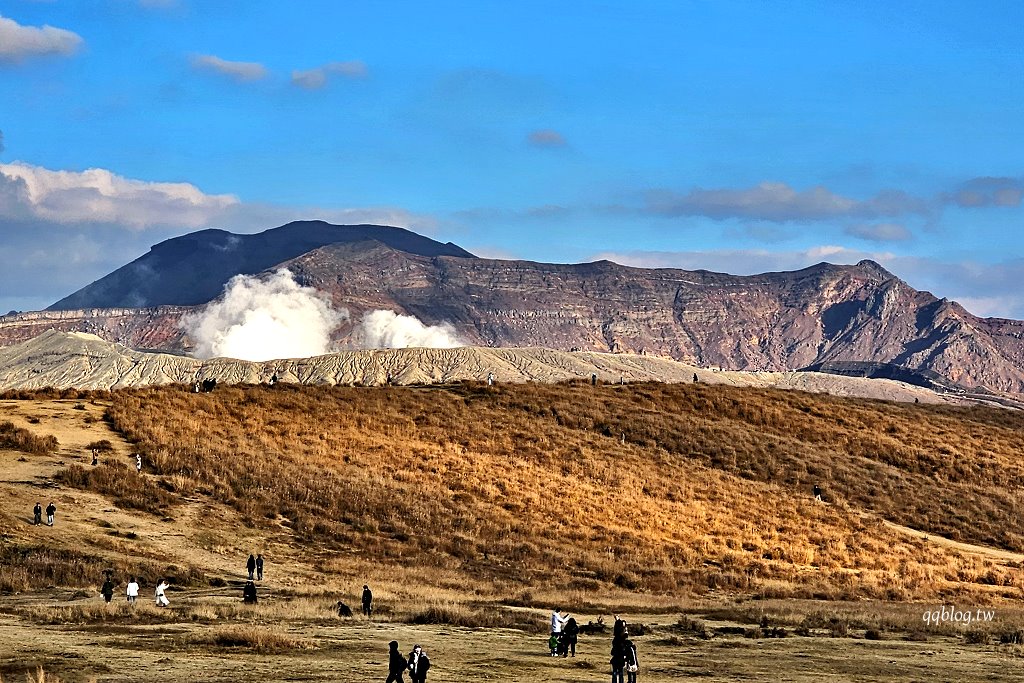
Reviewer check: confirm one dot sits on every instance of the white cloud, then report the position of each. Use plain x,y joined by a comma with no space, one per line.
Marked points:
240,71
264,319
18,42
313,79
99,196
387,330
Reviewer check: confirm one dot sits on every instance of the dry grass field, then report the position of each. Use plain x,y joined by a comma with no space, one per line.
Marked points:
472,510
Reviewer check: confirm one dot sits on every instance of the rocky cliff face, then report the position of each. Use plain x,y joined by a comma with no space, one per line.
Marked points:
773,321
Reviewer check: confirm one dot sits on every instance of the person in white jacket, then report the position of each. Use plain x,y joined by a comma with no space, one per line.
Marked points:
132,591
557,622
161,595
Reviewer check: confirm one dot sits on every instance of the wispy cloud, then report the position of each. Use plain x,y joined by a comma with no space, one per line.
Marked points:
19,42
313,79
879,232
987,191
546,138
239,71
778,202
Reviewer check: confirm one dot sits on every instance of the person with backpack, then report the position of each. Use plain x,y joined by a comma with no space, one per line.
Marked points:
418,665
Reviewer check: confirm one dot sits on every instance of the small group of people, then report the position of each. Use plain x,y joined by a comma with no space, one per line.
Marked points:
417,664
564,634
132,590
254,565
37,513
624,660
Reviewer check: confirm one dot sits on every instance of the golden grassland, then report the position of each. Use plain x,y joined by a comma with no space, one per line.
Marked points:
649,488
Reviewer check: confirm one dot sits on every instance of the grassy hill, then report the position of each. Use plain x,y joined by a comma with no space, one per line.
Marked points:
515,492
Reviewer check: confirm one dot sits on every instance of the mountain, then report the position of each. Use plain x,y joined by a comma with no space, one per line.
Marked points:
192,269
824,315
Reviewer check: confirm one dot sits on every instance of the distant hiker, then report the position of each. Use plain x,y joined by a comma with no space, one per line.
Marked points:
259,567
273,379
817,493
132,591
570,634
557,622
343,609
161,593
51,510
249,593
695,378
107,591
593,379
418,664
490,378
396,664
250,565
367,602
624,659
37,514
195,388
138,463
95,457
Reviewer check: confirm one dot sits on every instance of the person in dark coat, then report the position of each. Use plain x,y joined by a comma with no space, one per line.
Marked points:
632,661
418,665
251,566
107,591
259,567
51,510
396,664
367,602
37,513
249,593
570,634
817,492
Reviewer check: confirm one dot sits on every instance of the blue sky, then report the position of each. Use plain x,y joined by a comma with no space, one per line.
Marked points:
734,136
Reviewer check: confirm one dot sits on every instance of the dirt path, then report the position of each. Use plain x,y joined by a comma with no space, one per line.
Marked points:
996,554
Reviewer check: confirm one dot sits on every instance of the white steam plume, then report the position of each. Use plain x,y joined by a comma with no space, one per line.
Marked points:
387,330
264,319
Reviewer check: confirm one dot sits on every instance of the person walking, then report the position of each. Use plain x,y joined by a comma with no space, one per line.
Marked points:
367,601
161,593
250,565
418,665
138,463
37,514
259,567
132,591
396,664
632,661
107,591
624,658
51,510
